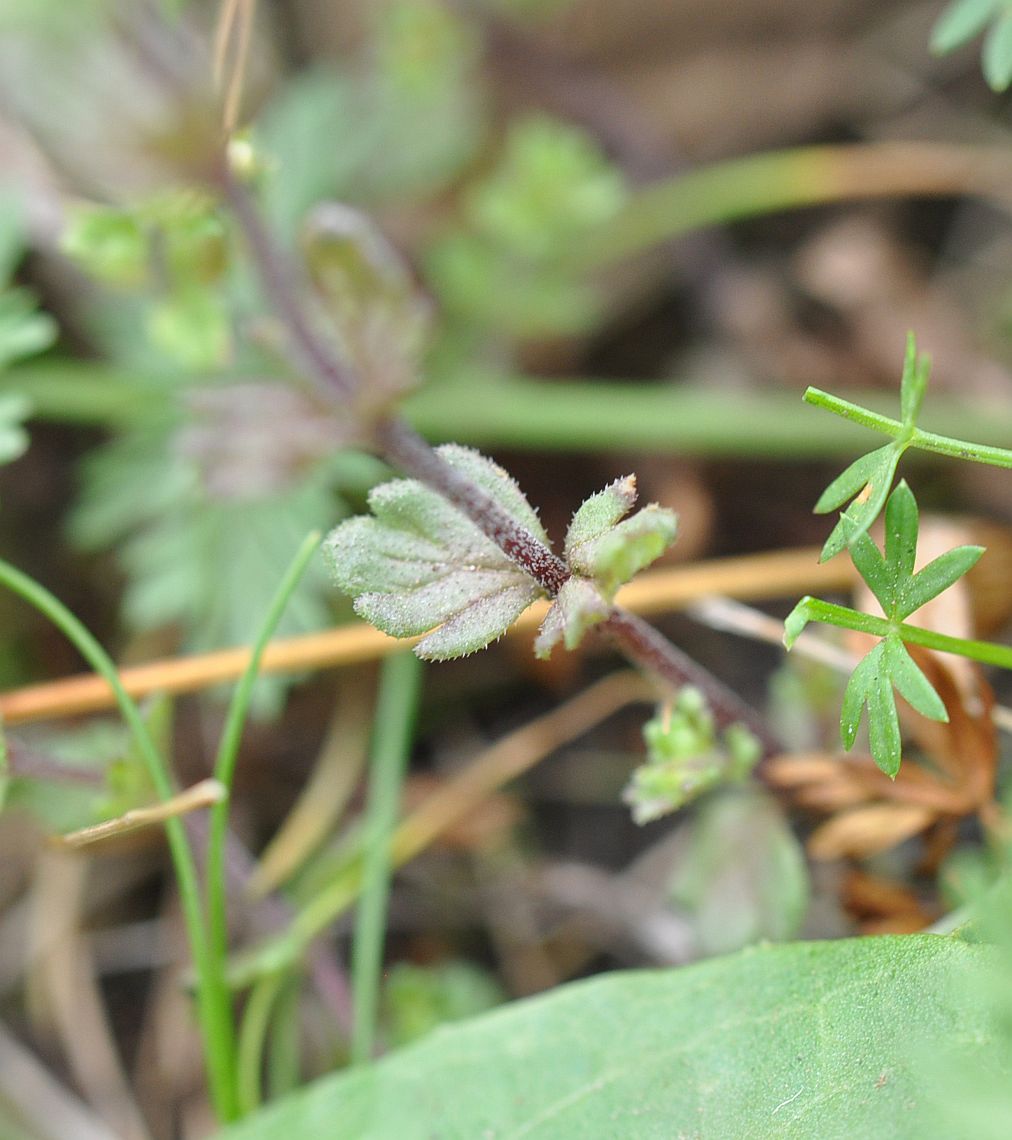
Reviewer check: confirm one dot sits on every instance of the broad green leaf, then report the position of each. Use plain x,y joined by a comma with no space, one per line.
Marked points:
785,1042
419,563
996,56
911,682
959,23
935,578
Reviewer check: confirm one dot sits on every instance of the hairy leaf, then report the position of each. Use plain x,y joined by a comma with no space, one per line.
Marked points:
419,563
578,606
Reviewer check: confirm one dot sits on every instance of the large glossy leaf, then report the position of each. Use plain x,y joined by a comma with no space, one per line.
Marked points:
830,1039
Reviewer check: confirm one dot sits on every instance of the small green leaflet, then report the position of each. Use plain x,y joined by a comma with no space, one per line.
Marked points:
603,552
867,480
900,591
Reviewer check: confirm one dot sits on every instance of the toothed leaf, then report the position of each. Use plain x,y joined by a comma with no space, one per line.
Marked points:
419,564
600,513
578,606
626,548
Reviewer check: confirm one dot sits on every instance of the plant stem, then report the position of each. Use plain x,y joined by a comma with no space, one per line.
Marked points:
652,651
401,446
215,1024
395,715
787,179
924,440
224,771
986,652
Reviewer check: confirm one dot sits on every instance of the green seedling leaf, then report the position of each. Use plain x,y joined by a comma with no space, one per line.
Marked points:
600,513
870,564
418,564
685,757
821,1039
578,606
600,547
861,681
796,621
854,479
901,530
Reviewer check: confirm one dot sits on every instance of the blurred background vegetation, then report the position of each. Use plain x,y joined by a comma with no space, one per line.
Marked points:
513,214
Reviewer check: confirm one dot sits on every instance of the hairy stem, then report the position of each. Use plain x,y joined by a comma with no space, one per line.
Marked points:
650,650
403,448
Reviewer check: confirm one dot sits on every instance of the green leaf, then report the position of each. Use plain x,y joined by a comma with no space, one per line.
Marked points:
959,23
856,693
901,526
108,243
419,563
910,681
865,508
741,876
24,331
796,620
417,999
620,552
935,578
578,606
884,724
600,513
914,382
870,564
996,56
797,1041
847,484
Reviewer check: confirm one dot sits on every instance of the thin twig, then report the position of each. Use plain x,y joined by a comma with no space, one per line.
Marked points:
777,574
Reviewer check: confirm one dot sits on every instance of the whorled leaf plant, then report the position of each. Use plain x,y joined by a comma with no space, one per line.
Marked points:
889,574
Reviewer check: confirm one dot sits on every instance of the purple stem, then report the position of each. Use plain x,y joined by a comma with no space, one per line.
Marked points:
403,448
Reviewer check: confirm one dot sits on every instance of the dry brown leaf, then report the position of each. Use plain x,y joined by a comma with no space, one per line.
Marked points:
868,830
